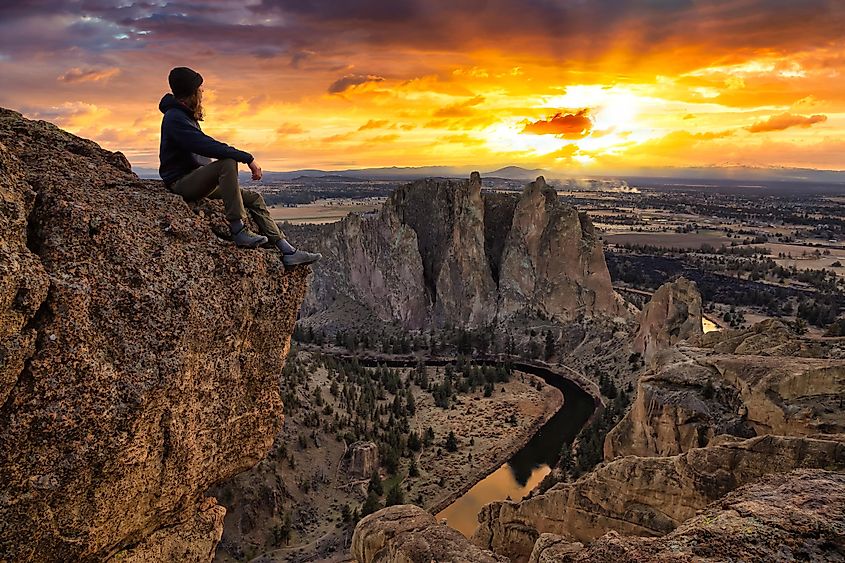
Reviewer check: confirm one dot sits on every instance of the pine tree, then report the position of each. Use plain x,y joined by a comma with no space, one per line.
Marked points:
452,442
394,496
550,345
371,505
376,485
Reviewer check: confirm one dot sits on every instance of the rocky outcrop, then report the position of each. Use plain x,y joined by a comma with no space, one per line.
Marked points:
769,338
797,516
371,265
678,406
726,386
673,314
363,459
141,356
553,262
440,252
408,533
648,496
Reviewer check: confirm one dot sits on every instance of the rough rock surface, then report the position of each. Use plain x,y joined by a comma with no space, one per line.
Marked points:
673,314
409,534
727,386
147,372
193,540
551,548
648,496
440,251
797,516
363,459
553,262
769,338
677,407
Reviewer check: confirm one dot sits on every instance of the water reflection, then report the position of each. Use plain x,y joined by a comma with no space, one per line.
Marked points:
529,465
709,326
499,485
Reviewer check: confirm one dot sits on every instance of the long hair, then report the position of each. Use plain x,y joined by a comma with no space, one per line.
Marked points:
194,103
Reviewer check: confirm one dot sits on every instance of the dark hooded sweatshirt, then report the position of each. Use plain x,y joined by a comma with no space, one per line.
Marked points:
184,147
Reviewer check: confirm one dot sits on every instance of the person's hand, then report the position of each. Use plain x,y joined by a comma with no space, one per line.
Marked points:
256,170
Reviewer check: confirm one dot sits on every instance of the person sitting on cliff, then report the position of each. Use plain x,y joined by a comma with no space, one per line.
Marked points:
187,169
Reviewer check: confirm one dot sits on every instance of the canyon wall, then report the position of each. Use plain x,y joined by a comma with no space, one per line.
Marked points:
790,516
440,252
761,380
140,356
796,516
648,496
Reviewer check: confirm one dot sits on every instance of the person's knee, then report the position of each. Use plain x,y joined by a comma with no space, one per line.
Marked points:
228,164
252,198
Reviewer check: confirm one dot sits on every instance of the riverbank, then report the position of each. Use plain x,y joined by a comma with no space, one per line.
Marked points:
548,372
551,407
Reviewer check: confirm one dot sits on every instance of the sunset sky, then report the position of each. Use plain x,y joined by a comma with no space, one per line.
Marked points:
576,85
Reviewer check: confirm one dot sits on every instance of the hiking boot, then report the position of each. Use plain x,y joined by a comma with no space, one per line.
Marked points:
247,239
300,257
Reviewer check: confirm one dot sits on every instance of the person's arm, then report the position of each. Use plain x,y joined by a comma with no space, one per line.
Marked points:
190,138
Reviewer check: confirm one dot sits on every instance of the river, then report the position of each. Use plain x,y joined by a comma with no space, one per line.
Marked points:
527,467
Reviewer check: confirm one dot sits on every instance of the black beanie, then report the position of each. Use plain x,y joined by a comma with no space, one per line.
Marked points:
184,81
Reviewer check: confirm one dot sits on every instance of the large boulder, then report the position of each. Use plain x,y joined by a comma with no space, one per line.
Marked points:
407,534
363,459
756,381
140,356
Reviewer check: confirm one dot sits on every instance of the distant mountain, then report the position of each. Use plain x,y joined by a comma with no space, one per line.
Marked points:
519,173
409,173
741,173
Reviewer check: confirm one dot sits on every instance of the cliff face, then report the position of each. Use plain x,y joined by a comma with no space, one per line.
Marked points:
440,252
793,517
673,314
724,385
553,262
647,495
140,356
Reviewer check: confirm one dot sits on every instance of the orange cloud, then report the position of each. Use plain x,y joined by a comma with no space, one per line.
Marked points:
785,121
460,109
567,126
77,74
374,124
289,129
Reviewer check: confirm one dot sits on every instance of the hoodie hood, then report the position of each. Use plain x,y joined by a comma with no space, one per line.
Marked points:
169,101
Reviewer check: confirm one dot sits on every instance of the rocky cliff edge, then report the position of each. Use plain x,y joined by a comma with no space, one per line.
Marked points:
139,356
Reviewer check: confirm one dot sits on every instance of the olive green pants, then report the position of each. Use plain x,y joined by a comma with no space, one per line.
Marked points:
219,180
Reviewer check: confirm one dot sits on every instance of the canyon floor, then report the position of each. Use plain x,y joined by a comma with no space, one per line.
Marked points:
318,484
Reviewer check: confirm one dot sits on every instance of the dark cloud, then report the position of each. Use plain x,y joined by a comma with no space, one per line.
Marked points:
785,121
351,80
579,31
565,125
377,11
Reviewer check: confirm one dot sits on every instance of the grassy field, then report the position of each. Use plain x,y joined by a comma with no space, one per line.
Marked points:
323,211
670,240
